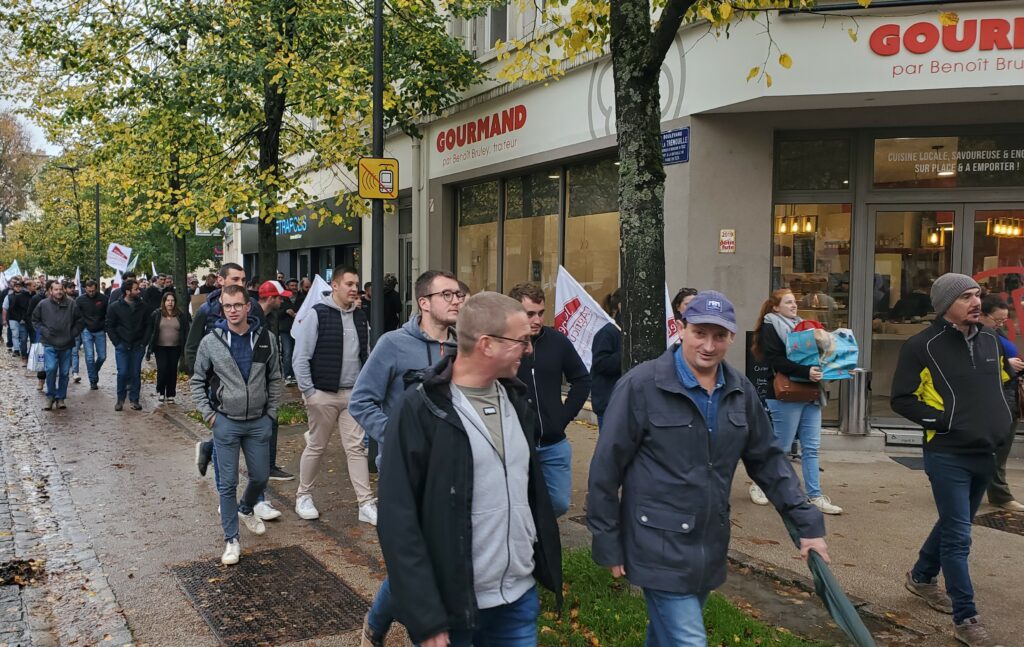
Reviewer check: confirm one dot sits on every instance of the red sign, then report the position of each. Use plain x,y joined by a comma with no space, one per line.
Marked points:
984,34
562,318
471,132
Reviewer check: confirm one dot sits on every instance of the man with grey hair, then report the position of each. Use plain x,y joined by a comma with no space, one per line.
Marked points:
459,455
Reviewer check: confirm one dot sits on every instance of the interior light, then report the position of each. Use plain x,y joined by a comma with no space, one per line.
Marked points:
782,225
947,173
933,237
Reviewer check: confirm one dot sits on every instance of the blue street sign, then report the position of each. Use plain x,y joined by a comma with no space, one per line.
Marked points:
675,146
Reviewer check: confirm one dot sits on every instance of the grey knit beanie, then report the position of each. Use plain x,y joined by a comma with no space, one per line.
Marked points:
947,288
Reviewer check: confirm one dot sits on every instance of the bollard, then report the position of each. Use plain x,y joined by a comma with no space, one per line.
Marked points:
857,412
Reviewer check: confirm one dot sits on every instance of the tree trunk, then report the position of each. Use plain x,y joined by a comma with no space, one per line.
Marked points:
641,183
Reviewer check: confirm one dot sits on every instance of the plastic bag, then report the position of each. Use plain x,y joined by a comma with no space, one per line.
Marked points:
36,358
835,352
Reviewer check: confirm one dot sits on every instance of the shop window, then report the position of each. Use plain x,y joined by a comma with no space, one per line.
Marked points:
949,162
592,227
477,253
812,164
531,233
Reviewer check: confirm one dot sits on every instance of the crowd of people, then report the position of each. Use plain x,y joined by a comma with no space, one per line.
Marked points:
469,402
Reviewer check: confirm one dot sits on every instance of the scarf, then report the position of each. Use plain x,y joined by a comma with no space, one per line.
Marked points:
782,325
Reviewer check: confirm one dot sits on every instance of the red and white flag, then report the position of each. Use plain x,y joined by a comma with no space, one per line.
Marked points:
577,315
118,256
672,325
319,293
116,281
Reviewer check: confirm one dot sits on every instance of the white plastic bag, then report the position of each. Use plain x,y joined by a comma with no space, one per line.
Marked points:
36,358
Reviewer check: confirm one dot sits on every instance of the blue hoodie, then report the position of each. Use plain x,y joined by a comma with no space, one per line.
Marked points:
382,381
206,319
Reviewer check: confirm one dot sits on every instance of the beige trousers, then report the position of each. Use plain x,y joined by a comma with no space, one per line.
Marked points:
329,411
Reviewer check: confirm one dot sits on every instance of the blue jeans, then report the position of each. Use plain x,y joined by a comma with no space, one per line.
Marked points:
287,348
74,354
676,620
23,338
58,364
129,371
556,464
510,625
252,437
958,483
800,420
381,615
95,344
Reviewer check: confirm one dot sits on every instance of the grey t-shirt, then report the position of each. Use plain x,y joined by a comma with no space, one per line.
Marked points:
487,405
350,364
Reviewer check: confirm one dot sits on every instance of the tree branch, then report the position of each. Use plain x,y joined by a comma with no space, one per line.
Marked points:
664,34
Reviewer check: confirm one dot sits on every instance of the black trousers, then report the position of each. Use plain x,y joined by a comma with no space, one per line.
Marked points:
167,370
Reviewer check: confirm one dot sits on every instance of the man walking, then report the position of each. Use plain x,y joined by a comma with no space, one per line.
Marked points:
331,346
93,306
553,359
949,380
57,322
660,479
285,321
237,387
127,326
17,315
466,525
399,359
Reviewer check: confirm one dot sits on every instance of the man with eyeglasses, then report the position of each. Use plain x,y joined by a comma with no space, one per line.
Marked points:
553,358
466,527
994,313
399,359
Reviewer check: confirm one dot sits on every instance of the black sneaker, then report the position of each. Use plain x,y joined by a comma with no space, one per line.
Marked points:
119,406
136,406
204,454
61,405
93,386
278,474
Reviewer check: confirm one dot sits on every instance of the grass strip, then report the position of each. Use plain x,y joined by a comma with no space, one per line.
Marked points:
602,611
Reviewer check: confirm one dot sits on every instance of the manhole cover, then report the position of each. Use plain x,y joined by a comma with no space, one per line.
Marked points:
271,597
912,462
1001,520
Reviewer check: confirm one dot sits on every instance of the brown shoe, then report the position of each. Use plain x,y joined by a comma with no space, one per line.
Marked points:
972,633
930,592
369,638
1011,506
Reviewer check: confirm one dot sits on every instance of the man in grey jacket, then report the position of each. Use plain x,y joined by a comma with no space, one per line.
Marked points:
237,387
673,433
58,322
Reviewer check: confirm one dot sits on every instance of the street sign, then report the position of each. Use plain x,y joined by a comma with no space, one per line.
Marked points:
378,178
675,146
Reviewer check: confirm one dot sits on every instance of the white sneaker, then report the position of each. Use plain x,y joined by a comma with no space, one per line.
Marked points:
757,495
253,523
265,510
76,377
232,551
368,513
825,505
305,509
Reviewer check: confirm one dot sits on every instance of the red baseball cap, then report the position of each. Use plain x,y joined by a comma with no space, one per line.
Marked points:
273,289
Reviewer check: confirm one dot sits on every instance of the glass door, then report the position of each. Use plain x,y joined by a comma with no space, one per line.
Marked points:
997,256
913,245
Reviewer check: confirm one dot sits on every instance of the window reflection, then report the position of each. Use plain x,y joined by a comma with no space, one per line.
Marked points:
592,228
531,233
477,247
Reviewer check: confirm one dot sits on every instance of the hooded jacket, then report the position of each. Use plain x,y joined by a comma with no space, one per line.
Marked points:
204,321
217,384
553,357
426,504
953,387
57,323
399,359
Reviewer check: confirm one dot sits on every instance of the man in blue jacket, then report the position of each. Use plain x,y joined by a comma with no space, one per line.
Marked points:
673,433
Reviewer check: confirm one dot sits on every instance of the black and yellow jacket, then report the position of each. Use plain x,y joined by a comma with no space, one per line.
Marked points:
953,387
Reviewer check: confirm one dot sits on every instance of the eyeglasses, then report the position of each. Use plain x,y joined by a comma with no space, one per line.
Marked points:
999,322
233,307
525,342
448,295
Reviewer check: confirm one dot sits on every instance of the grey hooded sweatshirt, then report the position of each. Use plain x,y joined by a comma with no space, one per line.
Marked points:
383,379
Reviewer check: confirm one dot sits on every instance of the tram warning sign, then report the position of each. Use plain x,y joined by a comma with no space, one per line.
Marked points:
378,178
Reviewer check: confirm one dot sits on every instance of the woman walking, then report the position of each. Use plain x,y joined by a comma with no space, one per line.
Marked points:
799,420
170,329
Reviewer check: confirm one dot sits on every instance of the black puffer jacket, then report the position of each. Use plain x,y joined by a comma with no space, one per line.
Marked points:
553,358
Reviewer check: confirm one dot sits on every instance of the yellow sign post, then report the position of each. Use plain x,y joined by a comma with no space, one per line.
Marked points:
378,178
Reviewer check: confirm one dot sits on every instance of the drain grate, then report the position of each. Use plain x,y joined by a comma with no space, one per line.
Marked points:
910,462
271,597
1001,520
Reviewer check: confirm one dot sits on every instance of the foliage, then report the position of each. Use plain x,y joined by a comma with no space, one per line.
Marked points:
18,164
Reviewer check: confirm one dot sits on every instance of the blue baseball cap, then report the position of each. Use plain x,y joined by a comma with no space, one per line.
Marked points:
710,307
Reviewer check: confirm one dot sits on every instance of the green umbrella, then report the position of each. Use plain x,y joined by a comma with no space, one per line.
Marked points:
832,595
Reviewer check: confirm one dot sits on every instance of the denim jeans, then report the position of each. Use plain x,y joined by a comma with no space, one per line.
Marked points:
958,483
287,348
14,336
58,364
74,354
510,625
95,344
252,437
801,420
129,371
381,614
556,465
676,620
23,338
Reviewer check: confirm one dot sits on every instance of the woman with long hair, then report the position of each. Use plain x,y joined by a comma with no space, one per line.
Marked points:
790,420
169,326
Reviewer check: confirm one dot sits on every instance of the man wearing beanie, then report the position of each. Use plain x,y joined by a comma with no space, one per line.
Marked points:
949,380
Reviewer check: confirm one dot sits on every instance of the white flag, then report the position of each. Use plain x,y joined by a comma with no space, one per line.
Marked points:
577,315
12,271
152,266
78,279
118,256
3,282
672,325
116,281
131,266
318,293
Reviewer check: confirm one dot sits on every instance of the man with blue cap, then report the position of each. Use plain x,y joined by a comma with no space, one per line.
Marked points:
658,507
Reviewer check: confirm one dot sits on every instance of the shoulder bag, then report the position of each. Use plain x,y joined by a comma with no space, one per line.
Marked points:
789,391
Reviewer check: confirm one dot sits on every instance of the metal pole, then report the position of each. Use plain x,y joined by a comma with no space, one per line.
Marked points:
97,276
377,240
